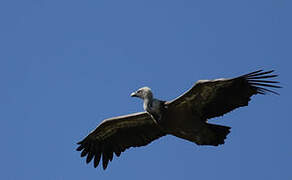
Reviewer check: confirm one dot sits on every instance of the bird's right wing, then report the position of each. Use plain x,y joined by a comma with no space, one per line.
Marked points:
117,134
212,98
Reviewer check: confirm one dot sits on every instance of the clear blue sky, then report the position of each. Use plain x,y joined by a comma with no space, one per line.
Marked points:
66,65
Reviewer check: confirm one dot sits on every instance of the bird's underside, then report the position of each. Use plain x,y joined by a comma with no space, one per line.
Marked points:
184,117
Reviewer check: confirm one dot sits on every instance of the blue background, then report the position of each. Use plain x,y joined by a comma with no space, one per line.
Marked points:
66,65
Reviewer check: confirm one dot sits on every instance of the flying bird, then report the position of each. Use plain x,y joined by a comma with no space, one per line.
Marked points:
185,117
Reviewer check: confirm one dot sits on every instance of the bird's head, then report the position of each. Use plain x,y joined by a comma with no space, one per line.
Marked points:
143,93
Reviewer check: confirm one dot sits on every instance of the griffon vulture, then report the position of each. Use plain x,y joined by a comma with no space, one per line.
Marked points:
185,117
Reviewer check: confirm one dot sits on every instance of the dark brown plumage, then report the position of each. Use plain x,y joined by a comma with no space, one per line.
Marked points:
185,117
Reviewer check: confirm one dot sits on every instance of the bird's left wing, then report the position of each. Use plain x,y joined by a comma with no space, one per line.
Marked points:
117,134
211,98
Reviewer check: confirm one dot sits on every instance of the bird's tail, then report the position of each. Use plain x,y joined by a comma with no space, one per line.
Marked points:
213,134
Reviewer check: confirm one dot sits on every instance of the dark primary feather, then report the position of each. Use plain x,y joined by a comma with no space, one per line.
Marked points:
115,135
211,98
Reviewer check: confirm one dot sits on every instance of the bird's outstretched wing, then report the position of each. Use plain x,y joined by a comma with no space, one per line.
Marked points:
117,134
211,98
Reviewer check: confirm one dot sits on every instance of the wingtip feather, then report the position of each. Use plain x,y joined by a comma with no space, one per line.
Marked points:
255,79
97,159
79,148
84,152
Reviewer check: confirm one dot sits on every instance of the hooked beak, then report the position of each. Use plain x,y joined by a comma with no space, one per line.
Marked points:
134,94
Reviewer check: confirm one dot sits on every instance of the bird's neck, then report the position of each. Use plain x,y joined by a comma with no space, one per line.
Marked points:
147,105
155,108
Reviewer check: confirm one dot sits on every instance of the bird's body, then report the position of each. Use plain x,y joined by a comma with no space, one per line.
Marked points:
184,117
